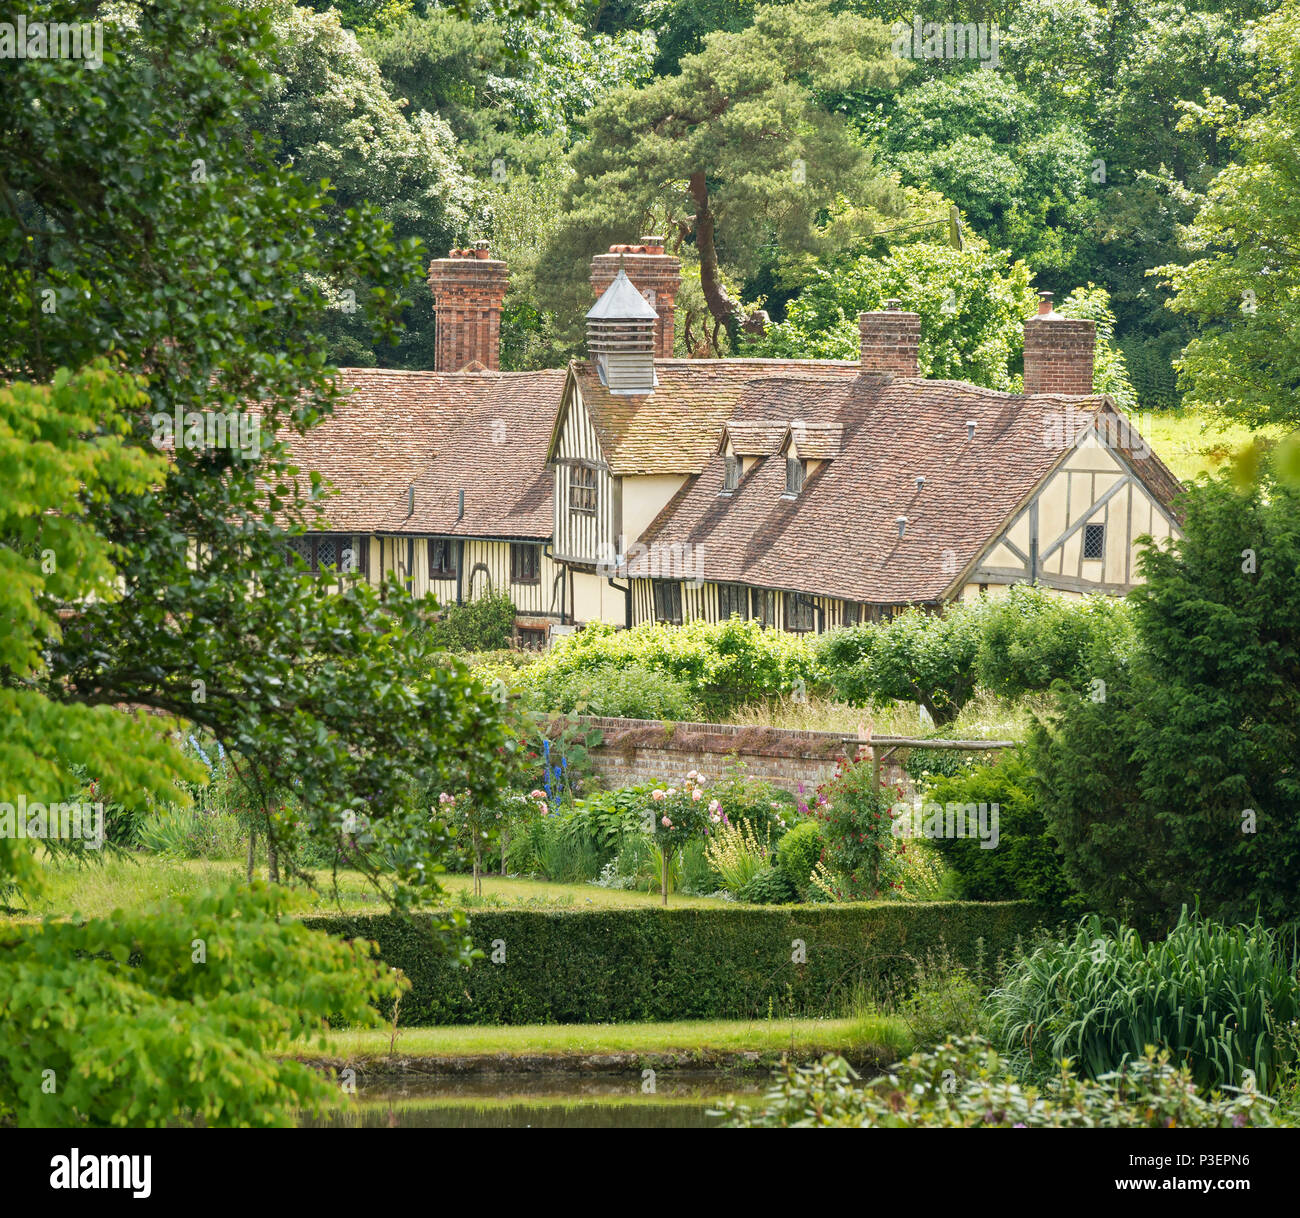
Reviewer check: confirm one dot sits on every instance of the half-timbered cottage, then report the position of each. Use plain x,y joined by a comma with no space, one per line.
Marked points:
440,477
807,494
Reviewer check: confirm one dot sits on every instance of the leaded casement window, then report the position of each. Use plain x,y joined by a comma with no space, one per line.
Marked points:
340,551
1094,541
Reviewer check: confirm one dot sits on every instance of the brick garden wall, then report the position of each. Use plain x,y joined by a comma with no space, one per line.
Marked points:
646,750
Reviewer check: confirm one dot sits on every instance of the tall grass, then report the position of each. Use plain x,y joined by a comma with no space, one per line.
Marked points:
1220,998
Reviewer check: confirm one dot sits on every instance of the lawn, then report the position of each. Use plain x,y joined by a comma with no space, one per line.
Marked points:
887,1034
1192,442
131,882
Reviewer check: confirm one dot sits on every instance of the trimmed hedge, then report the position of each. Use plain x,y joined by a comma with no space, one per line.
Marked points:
629,965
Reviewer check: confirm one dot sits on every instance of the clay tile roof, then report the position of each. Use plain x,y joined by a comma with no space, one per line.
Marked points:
485,432
693,398
750,439
820,441
839,537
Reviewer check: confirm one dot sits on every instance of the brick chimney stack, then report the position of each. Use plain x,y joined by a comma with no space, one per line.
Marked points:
1058,351
890,340
468,288
655,274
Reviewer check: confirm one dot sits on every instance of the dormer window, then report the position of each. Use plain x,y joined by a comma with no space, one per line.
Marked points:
731,474
793,475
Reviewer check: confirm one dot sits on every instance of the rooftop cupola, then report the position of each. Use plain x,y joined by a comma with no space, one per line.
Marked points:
621,338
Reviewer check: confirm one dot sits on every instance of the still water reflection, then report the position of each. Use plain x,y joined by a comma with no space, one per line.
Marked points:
679,1100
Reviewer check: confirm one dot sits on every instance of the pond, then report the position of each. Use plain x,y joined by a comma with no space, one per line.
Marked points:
679,1100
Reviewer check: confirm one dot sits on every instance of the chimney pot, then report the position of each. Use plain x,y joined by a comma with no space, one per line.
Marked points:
893,304
1045,303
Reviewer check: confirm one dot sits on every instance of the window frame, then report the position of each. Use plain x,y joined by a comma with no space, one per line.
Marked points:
451,567
764,608
794,475
586,491
731,471
518,564
666,595
794,606
1097,530
741,593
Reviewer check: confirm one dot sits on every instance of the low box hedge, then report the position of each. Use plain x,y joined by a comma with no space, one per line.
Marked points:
628,965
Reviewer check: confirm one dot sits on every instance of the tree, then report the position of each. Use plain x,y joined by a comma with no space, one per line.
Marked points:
175,242
1181,785
331,117
190,250
971,303
918,656
734,155
172,1012
1021,176
1243,287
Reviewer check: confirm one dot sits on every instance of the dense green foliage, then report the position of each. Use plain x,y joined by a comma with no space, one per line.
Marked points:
180,267
730,155
486,623
723,665
630,691
1243,286
965,1084
176,1012
1181,782
1221,1000
971,303
797,853
610,965
1025,865
1024,642
1033,638
917,656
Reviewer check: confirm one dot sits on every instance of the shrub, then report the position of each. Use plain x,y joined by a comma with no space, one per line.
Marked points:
1214,996
1026,864
918,656
768,887
678,815
632,691
721,665
797,855
856,827
1033,638
737,854
185,833
965,1084
944,1000
484,624
629,965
